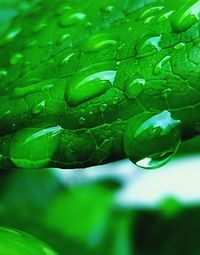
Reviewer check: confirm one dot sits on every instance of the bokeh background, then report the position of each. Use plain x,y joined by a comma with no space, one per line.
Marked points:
116,209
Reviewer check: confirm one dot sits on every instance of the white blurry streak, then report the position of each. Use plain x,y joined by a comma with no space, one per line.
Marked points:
180,179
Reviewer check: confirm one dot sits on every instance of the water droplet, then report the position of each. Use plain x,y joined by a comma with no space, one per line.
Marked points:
13,33
72,19
165,16
90,113
3,73
148,46
134,88
103,107
64,38
16,59
62,9
18,242
34,147
37,109
147,13
39,27
67,59
151,140
179,46
109,8
36,87
186,16
160,65
89,87
82,121
99,42
31,43
166,92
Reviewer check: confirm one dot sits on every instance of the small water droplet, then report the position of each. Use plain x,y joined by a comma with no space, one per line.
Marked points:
16,59
109,8
134,88
31,43
39,27
151,140
89,87
63,8
179,46
67,59
103,107
37,109
148,12
166,92
186,16
148,46
165,16
115,100
13,33
90,113
3,73
64,38
72,19
99,42
160,65
82,121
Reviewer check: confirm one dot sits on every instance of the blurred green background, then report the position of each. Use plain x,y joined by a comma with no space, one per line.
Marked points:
116,209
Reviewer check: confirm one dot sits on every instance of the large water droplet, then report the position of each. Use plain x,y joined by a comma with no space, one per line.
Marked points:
72,19
134,88
89,87
16,242
99,42
34,147
186,16
148,46
150,140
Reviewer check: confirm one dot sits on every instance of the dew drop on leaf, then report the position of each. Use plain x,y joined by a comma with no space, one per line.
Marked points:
147,13
17,58
134,88
151,140
186,16
16,242
89,87
34,147
3,73
72,19
99,42
146,47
